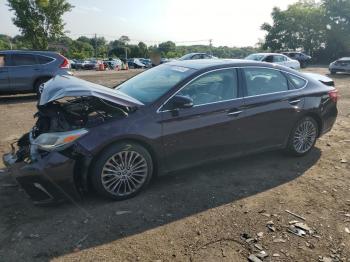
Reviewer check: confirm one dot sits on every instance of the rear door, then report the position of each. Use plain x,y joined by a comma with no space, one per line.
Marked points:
271,107
23,71
211,128
4,76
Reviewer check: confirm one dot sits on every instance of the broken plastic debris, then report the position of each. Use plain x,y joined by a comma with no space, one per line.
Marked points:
296,215
254,258
296,231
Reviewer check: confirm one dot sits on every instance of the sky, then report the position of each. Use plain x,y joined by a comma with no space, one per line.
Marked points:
226,22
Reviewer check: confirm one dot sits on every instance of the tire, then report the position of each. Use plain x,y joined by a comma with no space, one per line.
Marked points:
37,85
111,179
333,72
301,142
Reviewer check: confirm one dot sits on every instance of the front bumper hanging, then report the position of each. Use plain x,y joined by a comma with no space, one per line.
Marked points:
48,179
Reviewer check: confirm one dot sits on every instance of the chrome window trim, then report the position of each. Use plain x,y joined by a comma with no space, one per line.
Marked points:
237,98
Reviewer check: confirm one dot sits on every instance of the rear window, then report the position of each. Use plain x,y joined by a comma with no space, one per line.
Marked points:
44,59
23,59
297,81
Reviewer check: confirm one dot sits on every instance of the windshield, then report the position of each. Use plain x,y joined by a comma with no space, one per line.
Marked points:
255,57
150,85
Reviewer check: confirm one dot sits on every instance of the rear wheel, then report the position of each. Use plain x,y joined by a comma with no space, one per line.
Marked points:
303,137
122,171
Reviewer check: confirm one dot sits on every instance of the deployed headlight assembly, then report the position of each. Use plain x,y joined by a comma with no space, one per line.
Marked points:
58,140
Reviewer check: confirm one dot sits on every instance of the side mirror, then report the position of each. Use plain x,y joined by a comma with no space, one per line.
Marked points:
178,102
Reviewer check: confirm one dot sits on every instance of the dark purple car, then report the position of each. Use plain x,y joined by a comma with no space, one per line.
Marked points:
170,117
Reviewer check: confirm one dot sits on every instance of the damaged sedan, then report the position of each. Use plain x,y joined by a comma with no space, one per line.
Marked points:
180,114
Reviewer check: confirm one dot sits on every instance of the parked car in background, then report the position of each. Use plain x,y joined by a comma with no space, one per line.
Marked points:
135,63
275,58
146,62
193,56
25,71
112,64
170,117
299,56
340,65
90,64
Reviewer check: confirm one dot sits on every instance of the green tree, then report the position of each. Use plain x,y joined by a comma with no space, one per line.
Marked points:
167,47
301,26
338,27
143,49
39,21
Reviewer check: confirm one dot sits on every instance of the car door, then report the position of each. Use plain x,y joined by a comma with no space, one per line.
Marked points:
278,59
208,130
4,76
23,71
271,108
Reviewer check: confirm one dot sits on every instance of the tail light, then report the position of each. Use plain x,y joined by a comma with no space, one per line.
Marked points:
65,63
333,95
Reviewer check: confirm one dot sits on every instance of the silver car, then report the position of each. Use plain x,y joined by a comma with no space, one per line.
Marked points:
340,65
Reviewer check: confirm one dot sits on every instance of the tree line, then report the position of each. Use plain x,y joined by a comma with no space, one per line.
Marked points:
86,47
321,29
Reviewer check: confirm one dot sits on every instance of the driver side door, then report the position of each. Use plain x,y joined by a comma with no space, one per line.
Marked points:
208,130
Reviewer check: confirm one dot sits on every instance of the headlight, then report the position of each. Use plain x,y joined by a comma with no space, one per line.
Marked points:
59,140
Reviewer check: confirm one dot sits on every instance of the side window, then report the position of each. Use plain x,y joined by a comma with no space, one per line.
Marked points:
23,59
261,81
269,59
212,87
297,81
44,59
196,56
278,58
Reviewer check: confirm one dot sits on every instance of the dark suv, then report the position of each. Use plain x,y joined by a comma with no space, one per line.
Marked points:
25,71
301,57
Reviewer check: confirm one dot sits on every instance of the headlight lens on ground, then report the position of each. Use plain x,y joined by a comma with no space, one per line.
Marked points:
58,140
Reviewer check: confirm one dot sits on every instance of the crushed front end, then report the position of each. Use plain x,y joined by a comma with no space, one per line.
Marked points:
49,162
47,177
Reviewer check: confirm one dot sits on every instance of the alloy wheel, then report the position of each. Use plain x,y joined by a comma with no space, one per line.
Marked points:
304,136
124,173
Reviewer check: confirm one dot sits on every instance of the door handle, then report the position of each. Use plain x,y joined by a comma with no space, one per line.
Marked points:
234,113
294,102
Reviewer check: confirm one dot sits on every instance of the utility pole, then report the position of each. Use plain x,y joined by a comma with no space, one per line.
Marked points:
210,46
95,46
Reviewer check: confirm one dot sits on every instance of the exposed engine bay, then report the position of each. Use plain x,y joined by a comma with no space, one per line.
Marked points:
67,115
82,112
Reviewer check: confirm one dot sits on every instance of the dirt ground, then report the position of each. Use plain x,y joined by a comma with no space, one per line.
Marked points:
217,212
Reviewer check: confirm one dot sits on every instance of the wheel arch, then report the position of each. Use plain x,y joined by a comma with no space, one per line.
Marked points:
83,177
318,120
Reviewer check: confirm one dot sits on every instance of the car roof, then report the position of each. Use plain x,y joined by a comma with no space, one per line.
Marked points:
28,52
268,54
345,58
199,64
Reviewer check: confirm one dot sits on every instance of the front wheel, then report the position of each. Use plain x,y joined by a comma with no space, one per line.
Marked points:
122,171
303,137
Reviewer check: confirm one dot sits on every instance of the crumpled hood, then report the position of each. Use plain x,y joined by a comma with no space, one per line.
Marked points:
69,86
